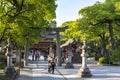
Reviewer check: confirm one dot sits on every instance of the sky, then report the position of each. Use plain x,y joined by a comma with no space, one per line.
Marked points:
67,10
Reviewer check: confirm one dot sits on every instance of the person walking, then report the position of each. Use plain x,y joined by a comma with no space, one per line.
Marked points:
49,66
53,64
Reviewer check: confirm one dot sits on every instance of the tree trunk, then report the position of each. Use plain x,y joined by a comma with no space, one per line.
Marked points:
103,47
18,57
27,51
103,50
111,36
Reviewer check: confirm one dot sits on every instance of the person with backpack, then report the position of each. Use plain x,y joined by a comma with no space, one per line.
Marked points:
53,64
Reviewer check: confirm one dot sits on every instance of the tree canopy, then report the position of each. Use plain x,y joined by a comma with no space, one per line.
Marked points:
22,18
98,24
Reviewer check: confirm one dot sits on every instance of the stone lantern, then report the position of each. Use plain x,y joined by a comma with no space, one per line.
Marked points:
84,70
10,69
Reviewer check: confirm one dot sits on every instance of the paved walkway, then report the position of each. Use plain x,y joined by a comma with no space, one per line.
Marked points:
37,70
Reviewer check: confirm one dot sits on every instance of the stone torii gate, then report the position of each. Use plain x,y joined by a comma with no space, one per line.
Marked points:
57,33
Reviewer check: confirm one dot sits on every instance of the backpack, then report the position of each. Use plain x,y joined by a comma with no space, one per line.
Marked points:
52,63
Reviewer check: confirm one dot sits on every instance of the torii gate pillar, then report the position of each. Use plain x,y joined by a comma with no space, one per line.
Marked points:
58,30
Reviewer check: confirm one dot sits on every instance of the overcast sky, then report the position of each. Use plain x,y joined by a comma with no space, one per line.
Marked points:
67,10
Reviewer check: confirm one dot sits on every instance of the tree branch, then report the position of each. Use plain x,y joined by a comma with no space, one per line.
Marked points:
3,34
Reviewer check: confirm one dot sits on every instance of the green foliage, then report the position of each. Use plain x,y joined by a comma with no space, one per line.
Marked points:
1,77
97,58
101,59
2,67
115,55
104,60
117,8
98,23
21,15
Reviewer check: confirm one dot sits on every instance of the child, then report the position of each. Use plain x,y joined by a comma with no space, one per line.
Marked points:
49,66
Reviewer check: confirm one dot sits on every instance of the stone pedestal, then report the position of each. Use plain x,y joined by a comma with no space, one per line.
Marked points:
69,64
10,71
84,70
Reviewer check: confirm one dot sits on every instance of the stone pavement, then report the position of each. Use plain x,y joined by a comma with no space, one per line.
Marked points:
37,70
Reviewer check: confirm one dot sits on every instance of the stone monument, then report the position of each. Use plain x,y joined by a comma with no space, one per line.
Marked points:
84,70
70,55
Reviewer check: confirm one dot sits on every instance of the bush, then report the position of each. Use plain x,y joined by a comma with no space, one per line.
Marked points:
1,77
96,58
2,66
115,55
104,60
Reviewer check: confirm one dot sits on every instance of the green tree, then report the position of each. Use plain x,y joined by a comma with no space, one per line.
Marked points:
21,16
102,14
98,24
